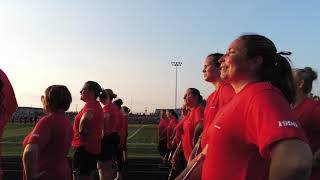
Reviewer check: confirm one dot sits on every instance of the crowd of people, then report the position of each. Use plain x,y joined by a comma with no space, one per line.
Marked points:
98,135
261,121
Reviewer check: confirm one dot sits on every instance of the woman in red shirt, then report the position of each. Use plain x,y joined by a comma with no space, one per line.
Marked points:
179,128
220,97
192,126
178,160
87,130
307,111
121,133
121,123
173,121
126,112
162,134
111,137
45,149
8,105
255,136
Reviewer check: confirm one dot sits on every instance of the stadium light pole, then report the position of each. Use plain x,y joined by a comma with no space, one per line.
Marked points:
176,64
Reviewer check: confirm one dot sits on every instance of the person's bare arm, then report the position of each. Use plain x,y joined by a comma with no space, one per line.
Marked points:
106,119
290,160
30,162
195,151
173,135
197,133
176,154
83,125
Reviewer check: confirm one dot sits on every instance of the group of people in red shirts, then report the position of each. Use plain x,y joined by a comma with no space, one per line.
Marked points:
166,132
98,136
259,123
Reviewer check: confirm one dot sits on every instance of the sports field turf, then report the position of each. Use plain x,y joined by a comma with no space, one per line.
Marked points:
142,139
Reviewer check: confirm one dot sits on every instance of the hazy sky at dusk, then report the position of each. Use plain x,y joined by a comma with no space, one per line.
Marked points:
128,45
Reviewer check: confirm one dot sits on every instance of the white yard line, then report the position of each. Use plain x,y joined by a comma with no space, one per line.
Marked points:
136,132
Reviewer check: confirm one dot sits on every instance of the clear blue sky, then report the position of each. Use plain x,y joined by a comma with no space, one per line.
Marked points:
127,45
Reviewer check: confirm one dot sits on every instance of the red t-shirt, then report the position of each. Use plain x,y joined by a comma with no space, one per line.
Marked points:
243,131
53,134
189,125
172,124
113,111
215,102
8,103
170,129
179,129
162,129
308,114
90,142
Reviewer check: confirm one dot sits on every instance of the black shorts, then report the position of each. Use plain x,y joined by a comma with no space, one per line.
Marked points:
109,146
83,162
162,147
120,158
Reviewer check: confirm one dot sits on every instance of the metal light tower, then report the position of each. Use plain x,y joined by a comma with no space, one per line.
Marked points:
176,64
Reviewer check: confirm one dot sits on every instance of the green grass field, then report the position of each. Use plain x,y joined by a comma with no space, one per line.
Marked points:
142,139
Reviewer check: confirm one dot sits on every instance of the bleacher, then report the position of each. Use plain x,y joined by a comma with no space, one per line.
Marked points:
32,115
